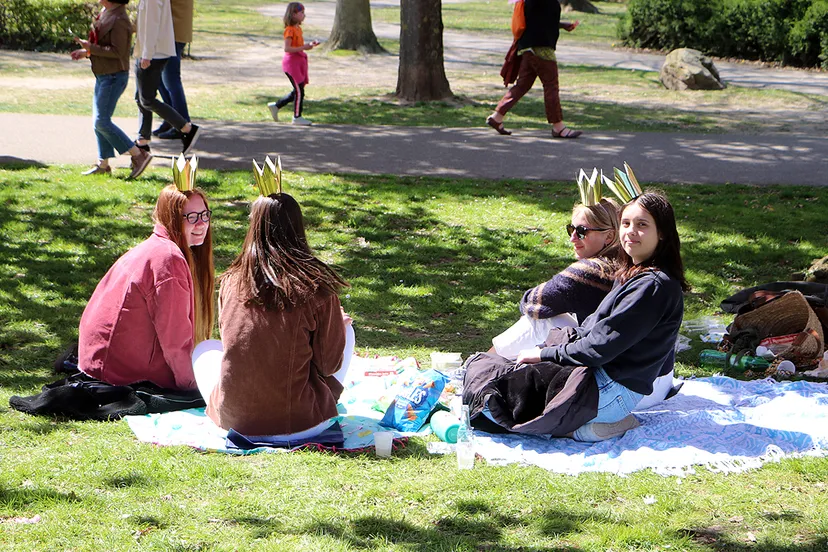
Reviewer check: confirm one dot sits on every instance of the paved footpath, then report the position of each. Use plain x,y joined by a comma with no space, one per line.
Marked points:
448,152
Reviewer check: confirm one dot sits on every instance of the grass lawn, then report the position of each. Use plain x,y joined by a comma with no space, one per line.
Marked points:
435,265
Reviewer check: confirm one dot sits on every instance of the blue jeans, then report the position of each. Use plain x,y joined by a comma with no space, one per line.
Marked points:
171,89
108,89
615,402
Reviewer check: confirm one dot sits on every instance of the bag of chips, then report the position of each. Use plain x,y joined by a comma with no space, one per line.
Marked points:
416,398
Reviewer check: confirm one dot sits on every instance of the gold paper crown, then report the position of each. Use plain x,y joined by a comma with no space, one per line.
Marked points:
625,186
590,187
268,176
184,172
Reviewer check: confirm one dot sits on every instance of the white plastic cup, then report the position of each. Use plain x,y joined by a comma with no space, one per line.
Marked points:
383,443
786,366
446,361
465,454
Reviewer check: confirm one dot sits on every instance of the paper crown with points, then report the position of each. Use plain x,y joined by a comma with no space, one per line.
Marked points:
184,172
625,186
268,176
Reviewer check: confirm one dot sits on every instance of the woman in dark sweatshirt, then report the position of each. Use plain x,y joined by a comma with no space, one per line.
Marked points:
629,339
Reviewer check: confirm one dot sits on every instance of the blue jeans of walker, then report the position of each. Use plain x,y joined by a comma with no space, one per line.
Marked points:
171,89
615,402
108,89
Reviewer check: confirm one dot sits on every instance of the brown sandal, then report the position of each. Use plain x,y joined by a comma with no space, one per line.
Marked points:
497,126
566,132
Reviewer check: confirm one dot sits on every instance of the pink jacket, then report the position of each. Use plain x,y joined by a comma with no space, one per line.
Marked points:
138,325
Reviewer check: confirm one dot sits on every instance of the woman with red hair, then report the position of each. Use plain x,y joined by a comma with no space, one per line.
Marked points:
156,302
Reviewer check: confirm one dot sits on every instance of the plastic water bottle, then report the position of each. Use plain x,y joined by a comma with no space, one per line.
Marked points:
717,359
465,442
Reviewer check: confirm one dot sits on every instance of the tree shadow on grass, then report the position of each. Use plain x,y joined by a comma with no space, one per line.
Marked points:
718,539
474,525
19,499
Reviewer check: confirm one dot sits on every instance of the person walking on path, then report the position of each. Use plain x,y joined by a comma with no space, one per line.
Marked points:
294,64
535,45
171,88
108,51
154,46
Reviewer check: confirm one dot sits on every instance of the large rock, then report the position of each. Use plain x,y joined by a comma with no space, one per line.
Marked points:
818,271
688,69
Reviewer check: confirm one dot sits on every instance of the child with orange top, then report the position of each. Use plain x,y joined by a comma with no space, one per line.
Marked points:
294,64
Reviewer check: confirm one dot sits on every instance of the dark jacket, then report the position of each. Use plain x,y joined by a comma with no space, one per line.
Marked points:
536,399
543,19
110,54
631,334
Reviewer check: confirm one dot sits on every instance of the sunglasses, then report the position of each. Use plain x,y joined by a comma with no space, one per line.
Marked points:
582,231
192,218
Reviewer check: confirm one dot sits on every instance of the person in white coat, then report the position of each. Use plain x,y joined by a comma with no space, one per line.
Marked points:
154,46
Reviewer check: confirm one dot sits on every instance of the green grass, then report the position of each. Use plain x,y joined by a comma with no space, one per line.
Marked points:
603,99
494,18
435,265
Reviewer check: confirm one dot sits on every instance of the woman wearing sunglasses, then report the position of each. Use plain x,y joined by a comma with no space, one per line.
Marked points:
156,302
629,340
573,294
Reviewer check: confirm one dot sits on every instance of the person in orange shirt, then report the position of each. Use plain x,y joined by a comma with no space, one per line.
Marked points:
294,64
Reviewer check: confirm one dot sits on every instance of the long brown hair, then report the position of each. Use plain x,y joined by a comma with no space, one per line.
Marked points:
276,267
292,9
169,212
667,254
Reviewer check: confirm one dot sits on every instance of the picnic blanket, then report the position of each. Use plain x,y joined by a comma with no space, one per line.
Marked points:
721,423
193,428
369,388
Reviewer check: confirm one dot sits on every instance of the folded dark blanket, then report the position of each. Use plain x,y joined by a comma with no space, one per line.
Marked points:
330,438
81,397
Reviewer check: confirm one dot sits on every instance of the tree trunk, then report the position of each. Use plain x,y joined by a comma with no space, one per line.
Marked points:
352,28
422,75
584,6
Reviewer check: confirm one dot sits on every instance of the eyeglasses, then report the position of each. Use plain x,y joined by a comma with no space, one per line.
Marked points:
581,231
205,215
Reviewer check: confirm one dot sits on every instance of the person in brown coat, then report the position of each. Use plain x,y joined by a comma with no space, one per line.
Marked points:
283,332
108,50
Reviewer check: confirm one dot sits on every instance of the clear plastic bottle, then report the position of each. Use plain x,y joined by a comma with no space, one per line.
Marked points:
717,359
465,441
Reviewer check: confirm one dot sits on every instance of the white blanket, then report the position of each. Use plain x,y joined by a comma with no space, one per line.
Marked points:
719,422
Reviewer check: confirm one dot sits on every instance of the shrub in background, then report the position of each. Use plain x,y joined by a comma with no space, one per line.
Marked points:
787,31
44,25
809,37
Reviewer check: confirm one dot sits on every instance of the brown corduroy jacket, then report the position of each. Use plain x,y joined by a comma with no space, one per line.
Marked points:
276,372
182,14
111,53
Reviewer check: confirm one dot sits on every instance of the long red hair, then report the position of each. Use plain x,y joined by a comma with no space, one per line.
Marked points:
169,212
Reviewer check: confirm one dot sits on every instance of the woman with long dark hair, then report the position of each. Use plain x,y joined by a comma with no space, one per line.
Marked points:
156,302
629,340
286,340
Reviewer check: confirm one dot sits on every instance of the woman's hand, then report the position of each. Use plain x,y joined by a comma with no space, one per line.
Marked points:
529,356
145,63
312,45
345,317
569,27
83,43
79,54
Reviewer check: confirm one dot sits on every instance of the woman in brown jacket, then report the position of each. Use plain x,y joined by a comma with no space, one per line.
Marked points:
108,49
283,332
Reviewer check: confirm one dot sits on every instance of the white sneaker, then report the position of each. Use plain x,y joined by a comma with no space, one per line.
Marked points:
274,111
301,121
